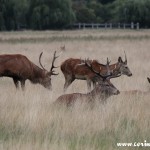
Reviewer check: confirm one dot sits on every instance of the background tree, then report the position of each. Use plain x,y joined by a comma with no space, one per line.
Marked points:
102,12
132,11
50,14
60,14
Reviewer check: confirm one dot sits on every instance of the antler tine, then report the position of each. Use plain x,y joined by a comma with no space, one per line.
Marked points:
87,62
52,67
125,57
110,76
108,61
40,61
97,73
115,76
82,62
108,69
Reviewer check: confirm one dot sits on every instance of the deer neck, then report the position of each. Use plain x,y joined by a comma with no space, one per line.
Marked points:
96,93
115,68
37,74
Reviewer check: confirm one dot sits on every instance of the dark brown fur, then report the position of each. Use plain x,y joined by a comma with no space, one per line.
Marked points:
20,68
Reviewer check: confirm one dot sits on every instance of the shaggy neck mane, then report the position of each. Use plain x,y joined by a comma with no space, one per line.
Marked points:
95,93
37,74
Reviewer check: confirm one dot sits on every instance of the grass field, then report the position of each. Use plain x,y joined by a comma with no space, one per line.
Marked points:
28,120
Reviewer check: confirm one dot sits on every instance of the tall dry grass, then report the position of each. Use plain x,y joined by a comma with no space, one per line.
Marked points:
29,121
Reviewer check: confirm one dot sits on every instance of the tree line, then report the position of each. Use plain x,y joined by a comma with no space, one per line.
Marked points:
61,14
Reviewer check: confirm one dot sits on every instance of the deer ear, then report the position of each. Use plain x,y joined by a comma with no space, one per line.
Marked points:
120,60
148,79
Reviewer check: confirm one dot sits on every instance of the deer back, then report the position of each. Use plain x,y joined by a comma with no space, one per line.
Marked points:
75,67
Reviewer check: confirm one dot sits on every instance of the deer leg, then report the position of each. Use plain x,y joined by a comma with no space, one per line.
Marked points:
22,84
68,81
16,82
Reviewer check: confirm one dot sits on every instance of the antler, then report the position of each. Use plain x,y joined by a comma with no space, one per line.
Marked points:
82,62
97,73
125,57
107,65
52,67
115,76
40,61
110,73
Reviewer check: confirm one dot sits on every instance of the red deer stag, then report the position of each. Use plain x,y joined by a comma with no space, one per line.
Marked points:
20,68
102,90
76,69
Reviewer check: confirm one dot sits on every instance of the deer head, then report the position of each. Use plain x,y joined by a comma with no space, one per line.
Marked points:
46,78
105,85
124,69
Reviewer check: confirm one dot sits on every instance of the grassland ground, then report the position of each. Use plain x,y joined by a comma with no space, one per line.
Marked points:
28,120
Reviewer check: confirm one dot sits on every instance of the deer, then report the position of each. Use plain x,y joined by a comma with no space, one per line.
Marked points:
137,92
63,48
77,69
103,90
20,68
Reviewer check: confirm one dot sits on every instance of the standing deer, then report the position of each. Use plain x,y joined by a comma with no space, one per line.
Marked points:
76,69
20,68
102,90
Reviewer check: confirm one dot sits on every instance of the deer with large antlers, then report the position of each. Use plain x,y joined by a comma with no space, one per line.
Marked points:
102,90
77,69
20,68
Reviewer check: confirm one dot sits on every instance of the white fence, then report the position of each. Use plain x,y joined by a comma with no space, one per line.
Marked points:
106,26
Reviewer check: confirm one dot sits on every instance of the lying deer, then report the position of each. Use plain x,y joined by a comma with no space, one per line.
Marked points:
102,90
136,92
77,69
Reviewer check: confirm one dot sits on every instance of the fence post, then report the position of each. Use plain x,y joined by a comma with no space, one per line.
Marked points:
137,26
132,25
124,25
110,25
97,25
79,26
119,25
92,26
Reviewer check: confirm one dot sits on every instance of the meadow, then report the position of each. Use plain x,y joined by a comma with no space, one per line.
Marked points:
29,121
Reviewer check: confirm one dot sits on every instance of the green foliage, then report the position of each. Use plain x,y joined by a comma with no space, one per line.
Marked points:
20,11
101,12
59,14
35,14
85,15
51,14
132,11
